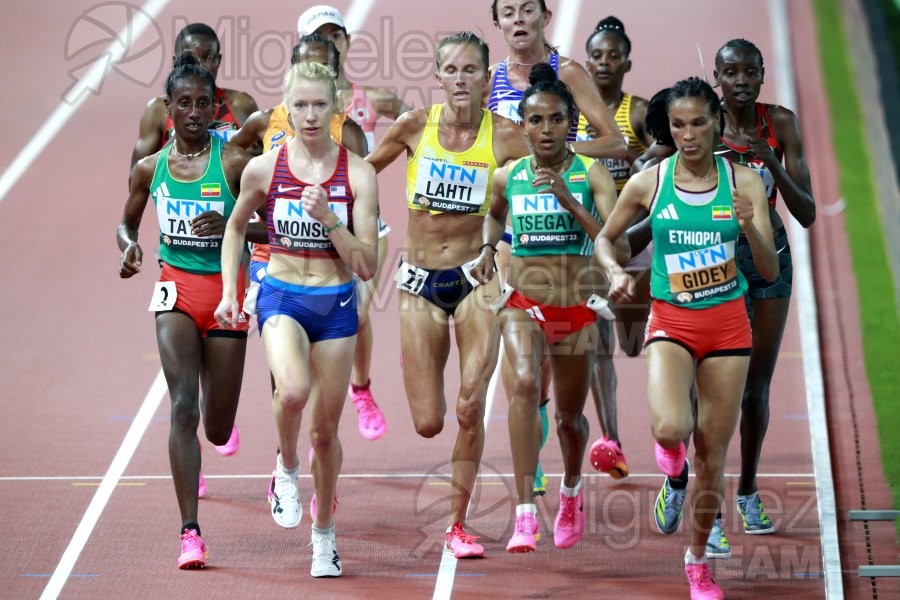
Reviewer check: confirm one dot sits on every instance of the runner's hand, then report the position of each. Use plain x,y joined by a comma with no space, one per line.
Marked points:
130,262
483,269
621,286
553,183
743,209
315,202
227,312
208,224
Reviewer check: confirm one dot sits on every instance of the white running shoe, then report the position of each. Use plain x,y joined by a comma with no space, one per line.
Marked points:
284,496
325,559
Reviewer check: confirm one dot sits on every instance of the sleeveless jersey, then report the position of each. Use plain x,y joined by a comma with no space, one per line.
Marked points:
743,155
504,99
293,231
694,238
541,226
179,202
278,134
619,168
362,111
442,181
279,131
223,124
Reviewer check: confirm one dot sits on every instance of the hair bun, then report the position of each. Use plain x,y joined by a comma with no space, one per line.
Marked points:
185,59
542,72
610,23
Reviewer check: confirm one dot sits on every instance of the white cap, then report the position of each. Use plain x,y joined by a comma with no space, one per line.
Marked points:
316,16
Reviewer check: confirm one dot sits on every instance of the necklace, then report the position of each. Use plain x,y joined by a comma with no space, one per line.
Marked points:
195,154
552,166
510,61
708,173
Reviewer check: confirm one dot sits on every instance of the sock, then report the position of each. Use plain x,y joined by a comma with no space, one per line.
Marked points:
545,422
188,526
570,492
526,508
329,530
360,388
680,482
292,472
690,559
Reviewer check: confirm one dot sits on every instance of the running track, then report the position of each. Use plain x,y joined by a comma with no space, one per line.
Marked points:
81,369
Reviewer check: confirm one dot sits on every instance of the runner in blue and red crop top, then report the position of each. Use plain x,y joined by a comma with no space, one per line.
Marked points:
231,107
320,205
766,138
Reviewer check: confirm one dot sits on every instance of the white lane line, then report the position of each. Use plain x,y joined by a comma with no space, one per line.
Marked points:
65,110
564,22
809,332
373,476
443,585
148,408
356,15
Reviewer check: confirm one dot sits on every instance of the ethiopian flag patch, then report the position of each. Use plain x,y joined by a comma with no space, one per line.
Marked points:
576,177
721,213
214,190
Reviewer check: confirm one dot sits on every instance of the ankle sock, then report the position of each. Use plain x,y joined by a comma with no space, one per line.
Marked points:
570,492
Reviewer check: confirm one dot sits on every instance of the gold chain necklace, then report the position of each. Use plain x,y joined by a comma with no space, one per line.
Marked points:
195,154
552,166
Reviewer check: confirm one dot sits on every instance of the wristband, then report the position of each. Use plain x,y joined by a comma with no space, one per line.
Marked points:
491,246
334,227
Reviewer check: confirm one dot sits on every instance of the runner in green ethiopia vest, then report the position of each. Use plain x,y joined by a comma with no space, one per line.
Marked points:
540,224
179,202
694,237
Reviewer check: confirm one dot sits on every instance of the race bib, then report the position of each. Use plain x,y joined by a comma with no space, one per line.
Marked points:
540,220
509,109
175,218
767,178
298,230
702,273
410,279
448,188
164,295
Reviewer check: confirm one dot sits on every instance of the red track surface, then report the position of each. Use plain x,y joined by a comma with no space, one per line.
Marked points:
80,355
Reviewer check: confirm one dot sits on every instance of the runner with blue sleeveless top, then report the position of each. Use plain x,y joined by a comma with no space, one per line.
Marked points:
698,333
193,182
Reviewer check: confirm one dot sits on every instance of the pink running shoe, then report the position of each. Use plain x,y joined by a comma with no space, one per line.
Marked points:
193,551
312,507
232,445
671,462
371,422
525,534
461,544
703,587
569,524
606,456
201,488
